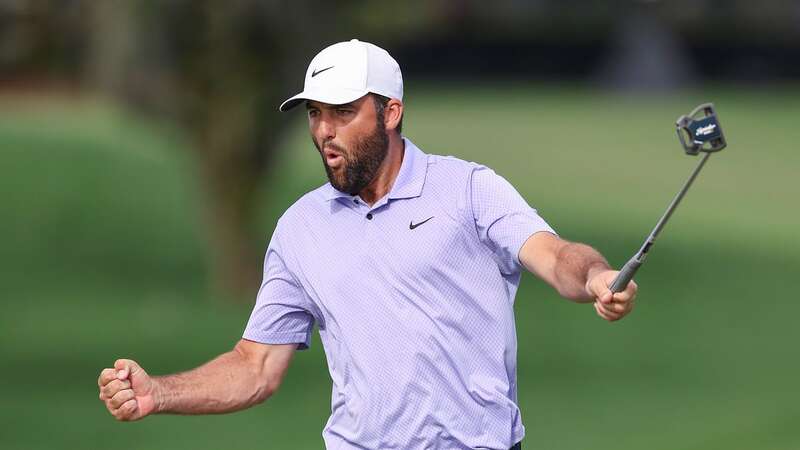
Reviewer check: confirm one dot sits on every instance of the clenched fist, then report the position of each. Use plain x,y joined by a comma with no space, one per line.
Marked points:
127,390
610,306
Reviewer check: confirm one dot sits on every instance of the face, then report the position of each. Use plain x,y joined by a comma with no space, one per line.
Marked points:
351,139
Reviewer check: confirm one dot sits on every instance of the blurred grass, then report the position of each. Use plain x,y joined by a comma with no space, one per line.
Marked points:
103,257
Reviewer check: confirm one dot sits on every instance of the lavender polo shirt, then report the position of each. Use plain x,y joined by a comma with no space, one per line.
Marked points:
413,298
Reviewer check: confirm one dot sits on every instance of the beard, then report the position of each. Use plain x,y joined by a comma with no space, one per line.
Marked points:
361,162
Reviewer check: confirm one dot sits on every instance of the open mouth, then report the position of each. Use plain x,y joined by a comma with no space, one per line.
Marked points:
332,158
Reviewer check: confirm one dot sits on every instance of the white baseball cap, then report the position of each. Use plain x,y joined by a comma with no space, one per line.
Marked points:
347,71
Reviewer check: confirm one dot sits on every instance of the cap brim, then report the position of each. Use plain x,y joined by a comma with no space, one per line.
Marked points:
337,97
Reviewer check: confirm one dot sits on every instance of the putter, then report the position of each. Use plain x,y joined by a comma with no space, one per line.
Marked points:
699,131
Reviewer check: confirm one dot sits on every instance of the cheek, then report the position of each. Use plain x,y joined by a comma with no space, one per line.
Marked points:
353,133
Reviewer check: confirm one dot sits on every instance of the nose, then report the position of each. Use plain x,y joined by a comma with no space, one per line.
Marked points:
326,130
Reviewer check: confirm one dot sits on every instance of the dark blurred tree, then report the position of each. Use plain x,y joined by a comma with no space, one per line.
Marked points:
219,69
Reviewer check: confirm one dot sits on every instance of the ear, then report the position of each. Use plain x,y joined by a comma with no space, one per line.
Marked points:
392,114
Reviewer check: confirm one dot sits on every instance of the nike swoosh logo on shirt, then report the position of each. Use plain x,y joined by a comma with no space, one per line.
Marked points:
412,225
317,72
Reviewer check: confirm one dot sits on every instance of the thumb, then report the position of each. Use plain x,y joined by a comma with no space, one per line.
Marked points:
605,295
126,368
597,288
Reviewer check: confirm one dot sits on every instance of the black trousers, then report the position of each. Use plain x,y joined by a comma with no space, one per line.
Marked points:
518,446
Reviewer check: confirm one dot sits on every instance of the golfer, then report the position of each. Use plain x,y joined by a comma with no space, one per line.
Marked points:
408,263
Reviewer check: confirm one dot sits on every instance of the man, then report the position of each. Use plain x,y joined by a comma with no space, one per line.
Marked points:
408,263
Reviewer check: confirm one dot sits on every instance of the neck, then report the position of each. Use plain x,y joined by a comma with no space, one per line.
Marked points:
387,172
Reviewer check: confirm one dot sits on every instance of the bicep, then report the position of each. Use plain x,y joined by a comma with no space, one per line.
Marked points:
539,255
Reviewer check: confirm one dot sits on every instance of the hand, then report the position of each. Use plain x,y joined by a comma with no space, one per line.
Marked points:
608,306
127,390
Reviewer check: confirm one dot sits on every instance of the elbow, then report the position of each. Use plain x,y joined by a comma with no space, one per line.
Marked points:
256,381
264,366
267,387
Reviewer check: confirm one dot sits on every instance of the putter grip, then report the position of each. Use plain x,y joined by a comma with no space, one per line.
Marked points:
625,275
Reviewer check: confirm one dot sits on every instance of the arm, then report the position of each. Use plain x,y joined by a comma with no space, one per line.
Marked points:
243,377
578,272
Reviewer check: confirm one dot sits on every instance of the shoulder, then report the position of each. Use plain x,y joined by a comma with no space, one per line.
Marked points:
443,168
448,169
452,164
479,182
475,173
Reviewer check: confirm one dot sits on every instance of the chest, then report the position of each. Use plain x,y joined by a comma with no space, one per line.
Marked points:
358,256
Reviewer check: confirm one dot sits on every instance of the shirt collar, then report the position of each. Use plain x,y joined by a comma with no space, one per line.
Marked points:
410,179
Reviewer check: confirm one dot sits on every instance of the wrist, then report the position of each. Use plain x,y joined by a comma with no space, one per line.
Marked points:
157,395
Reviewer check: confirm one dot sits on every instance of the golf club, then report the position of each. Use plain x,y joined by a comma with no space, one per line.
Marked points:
699,131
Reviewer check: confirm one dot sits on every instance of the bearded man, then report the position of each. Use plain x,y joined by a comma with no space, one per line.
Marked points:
408,263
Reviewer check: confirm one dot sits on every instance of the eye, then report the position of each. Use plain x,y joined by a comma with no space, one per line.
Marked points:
313,113
343,111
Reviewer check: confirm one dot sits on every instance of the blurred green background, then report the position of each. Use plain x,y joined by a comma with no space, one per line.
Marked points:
106,254
103,260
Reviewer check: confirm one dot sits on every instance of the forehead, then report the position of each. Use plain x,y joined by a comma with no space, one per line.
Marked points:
357,104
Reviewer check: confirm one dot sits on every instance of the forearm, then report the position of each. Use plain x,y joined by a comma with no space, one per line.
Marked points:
225,384
576,263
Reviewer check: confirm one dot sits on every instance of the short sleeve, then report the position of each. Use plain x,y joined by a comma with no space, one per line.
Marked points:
282,311
503,219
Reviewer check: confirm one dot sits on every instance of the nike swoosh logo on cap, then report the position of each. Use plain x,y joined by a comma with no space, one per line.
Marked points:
317,72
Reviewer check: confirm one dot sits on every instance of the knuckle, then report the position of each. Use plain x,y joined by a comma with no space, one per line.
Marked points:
104,377
118,399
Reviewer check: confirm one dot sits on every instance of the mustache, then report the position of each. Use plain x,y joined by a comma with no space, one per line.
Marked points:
329,144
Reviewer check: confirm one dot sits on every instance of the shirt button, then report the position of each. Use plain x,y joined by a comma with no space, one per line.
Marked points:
355,200
369,216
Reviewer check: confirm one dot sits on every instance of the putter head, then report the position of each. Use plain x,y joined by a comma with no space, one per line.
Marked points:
699,131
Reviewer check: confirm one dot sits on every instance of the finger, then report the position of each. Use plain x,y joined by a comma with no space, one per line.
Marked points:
606,313
126,411
113,387
622,296
121,397
617,307
106,375
606,296
631,289
601,312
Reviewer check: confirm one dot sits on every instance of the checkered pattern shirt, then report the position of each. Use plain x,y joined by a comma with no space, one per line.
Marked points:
413,297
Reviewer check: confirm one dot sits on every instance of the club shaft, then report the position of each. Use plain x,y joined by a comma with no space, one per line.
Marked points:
629,269
675,201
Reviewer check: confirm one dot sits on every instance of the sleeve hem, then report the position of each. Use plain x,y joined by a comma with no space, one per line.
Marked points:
522,242
302,339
